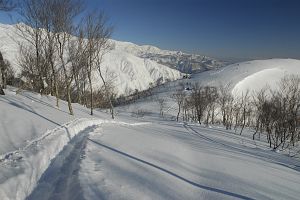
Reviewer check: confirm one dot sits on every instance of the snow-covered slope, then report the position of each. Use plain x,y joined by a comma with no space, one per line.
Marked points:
33,131
130,72
252,75
238,72
27,115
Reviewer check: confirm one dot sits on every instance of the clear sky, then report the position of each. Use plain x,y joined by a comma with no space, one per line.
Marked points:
220,28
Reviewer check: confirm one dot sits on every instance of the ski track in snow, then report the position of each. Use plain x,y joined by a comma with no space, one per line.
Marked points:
60,180
55,153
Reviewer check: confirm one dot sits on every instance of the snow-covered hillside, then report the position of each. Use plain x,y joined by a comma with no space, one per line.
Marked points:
238,72
128,70
253,75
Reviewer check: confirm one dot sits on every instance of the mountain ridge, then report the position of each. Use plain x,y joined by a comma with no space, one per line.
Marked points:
137,73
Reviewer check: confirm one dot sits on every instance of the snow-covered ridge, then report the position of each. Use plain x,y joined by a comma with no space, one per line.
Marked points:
129,71
252,75
258,74
184,62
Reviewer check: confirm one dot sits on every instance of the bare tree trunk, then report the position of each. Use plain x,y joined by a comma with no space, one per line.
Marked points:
69,99
56,91
91,91
244,121
79,92
68,80
107,94
179,106
55,84
1,75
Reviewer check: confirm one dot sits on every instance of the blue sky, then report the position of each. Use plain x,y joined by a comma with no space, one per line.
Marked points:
220,28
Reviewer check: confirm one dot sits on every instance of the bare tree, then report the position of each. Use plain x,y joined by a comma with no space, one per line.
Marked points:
224,100
162,104
79,69
97,33
211,96
32,11
103,45
64,13
179,97
47,22
259,99
245,109
277,114
2,67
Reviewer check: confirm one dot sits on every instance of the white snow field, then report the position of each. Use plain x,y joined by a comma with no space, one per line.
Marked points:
47,154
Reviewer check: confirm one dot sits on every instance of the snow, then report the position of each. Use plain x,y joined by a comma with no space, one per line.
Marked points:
268,77
259,80
26,115
134,163
27,144
237,72
139,50
26,165
129,72
47,154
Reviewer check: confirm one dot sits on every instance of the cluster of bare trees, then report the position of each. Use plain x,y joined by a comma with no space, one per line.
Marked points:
134,96
272,112
5,68
6,74
63,48
277,113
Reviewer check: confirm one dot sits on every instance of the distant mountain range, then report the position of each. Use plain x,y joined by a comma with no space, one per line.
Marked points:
184,62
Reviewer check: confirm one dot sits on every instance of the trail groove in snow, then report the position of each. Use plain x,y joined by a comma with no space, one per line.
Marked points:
21,170
60,180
